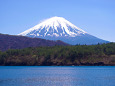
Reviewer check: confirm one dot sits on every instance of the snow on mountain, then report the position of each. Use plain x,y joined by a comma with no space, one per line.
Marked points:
58,28
55,26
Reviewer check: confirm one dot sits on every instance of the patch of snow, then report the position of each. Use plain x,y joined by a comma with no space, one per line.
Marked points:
54,23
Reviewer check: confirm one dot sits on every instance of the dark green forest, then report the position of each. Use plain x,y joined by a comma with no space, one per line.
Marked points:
101,54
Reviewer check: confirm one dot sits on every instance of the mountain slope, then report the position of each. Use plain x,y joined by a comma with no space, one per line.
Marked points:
19,42
58,28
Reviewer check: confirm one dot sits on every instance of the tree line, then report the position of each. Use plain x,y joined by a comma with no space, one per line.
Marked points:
100,54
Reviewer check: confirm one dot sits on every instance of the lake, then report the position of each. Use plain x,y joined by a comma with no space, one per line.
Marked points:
57,75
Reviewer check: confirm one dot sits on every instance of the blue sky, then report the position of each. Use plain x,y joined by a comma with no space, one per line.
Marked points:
97,17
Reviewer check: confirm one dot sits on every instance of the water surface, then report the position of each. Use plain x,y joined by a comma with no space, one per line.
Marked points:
57,75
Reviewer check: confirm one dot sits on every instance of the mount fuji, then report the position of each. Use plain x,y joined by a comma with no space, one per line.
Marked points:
58,28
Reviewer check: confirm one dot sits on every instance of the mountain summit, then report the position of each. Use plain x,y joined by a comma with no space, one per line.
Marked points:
55,26
58,28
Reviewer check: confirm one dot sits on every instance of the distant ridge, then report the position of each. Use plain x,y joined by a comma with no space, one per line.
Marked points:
58,28
19,42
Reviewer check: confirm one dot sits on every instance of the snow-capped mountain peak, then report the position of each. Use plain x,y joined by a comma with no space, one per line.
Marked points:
55,26
58,28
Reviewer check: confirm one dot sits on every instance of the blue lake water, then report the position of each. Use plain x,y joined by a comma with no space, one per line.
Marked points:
57,75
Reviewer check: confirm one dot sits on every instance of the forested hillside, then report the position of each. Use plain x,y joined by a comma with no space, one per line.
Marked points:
103,54
20,42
